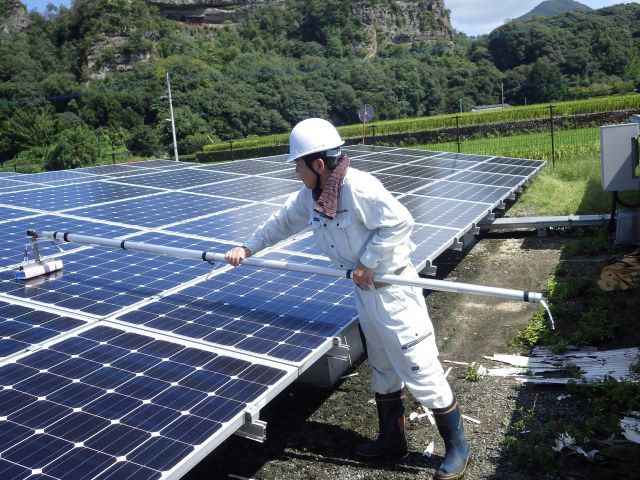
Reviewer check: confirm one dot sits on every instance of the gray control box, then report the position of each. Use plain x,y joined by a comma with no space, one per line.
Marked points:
619,157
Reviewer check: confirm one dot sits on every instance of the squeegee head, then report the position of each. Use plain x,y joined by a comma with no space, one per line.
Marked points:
36,269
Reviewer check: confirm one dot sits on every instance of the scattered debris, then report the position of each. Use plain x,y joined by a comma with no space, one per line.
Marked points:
238,477
590,364
471,419
446,374
631,427
622,275
429,450
414,416
565,440
372,401
355,374
563,397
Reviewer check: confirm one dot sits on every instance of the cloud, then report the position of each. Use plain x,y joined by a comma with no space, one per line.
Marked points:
475,17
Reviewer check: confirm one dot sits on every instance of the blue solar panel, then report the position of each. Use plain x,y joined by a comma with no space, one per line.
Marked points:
14,235
251,188
173,179
133,398
107,403
22,327
72,196
158,210
235,226
445,213
251,167
100,282
465,191
280,315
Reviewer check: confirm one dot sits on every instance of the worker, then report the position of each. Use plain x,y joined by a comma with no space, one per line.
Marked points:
360,226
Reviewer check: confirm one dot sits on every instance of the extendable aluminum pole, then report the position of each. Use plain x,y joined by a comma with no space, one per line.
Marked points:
211,257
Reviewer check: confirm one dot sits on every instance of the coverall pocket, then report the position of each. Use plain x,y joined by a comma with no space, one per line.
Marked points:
416,347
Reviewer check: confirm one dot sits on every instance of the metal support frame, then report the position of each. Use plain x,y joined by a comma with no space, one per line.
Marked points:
545,222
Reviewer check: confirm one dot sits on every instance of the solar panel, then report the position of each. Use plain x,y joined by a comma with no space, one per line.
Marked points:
72,196
113,403
250,167
272,314
174,180
157,210
21,327
445,213
235,225
251,188
100,282
177,362
14,238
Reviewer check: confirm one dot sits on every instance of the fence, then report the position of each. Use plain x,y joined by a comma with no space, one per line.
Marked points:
552,138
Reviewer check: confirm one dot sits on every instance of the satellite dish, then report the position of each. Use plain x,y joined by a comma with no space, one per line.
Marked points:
365,113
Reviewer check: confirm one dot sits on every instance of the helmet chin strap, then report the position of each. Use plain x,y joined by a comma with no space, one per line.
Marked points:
317,190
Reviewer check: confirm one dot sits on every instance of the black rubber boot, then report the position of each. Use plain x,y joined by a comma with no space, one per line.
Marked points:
391,439
449,423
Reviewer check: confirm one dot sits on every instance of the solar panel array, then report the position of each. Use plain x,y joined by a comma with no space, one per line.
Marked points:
130,365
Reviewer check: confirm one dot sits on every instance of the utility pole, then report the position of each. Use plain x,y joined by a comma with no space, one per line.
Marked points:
173,124
460,104
502,93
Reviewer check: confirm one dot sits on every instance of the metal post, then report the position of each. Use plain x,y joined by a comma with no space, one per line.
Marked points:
458,132
231,148
461,103
553,141
173,125
502,94
373,127
431,284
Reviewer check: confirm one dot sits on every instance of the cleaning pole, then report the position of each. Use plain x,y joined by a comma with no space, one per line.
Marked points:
211,257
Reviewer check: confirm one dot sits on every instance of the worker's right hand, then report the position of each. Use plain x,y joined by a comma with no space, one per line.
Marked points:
236,255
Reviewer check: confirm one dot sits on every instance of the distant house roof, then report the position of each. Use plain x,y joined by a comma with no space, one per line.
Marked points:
490,107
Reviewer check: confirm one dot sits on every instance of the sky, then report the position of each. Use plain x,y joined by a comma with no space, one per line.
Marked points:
473,17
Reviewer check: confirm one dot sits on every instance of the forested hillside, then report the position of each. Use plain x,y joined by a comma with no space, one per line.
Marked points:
79,82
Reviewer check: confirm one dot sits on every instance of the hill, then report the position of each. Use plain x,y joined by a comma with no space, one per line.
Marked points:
551,8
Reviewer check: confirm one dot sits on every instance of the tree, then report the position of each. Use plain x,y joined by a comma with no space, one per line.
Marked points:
545,83
75,147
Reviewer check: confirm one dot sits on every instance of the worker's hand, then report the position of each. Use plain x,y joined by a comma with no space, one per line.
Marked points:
362,275
236,255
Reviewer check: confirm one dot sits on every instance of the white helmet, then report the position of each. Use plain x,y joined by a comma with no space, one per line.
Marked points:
313,135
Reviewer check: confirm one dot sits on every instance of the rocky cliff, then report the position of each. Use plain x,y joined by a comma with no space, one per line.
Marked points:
386,21
13,17
212,12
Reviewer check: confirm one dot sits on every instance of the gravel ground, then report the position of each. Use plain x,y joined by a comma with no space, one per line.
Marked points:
312,431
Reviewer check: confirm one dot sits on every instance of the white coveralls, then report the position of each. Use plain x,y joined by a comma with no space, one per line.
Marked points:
372,227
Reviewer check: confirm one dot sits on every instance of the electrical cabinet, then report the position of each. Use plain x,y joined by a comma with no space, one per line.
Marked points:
619,157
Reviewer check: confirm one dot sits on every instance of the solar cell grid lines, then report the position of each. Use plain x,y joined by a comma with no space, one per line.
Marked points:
484,178
235,225
251,188
256,311
14,239
251,167
173,179
503,169
100,282
176,361
158,210
445,213
72,196
400,184
21,327
107,403
410,170
464,191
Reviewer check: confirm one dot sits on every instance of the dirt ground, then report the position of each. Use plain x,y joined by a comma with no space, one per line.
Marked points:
312,431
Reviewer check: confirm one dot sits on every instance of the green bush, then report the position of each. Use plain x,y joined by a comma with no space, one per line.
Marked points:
74,148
